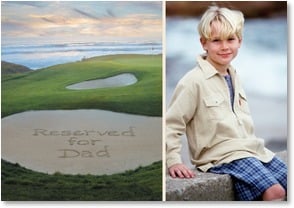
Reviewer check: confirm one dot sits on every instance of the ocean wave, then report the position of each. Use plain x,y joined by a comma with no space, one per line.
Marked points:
66,47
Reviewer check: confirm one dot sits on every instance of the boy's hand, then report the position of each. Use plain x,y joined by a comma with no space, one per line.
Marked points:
181,171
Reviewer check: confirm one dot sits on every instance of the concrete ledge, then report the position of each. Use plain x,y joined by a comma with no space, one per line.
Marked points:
205,187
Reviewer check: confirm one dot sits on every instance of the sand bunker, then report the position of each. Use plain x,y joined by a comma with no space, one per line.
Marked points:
115,81
81,141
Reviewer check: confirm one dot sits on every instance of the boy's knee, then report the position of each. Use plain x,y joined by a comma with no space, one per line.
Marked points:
275,192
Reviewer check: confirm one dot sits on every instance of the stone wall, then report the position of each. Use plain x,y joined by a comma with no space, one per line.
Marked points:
204,187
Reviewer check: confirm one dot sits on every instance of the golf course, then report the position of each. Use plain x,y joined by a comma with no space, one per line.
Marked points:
45,89
121,86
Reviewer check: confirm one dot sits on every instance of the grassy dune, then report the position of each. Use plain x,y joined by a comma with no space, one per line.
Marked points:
45,89
11,68
20,184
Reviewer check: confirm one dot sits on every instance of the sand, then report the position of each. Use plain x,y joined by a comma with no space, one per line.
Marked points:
81,141
114,81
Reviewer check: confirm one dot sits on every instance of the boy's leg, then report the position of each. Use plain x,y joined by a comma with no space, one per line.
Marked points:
251,177
280,171
274,193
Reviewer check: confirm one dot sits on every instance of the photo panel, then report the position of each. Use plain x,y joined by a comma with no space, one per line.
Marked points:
199,129
81,100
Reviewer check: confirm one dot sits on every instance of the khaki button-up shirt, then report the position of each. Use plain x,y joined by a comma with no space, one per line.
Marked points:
216,133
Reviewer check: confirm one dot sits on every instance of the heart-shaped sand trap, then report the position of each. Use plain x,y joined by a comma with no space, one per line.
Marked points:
81,141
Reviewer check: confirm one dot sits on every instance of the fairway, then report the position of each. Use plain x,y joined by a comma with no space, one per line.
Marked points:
45,89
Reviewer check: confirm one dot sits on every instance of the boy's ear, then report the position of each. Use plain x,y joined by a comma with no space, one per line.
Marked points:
240,42
203,42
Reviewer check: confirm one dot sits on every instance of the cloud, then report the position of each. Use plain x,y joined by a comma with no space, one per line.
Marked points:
41,21
35,4
110,13
91,21
125,27
48,20
85,14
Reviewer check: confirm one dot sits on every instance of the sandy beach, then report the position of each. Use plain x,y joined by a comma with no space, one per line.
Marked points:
81,141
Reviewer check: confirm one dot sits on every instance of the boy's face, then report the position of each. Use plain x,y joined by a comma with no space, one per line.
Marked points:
220,51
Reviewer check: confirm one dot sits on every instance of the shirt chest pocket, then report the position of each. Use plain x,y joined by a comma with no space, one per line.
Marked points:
214,106
242,103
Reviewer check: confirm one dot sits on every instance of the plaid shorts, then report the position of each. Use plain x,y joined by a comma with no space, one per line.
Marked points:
252,177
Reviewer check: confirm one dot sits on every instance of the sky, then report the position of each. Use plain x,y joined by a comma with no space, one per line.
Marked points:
42,22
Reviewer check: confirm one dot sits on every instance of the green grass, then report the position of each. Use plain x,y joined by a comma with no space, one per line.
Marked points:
20,184
44,89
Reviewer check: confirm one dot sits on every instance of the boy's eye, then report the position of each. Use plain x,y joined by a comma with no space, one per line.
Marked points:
215,40
231,39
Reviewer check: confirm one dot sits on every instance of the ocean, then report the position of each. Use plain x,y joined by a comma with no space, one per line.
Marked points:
38,56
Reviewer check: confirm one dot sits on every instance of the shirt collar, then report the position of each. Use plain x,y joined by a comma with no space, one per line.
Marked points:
207,68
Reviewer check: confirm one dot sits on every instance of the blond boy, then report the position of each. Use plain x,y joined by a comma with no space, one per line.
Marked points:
210,106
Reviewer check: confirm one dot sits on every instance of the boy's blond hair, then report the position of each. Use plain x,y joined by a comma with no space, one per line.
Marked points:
231,22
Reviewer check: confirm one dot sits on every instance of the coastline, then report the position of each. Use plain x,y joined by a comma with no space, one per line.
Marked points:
46,55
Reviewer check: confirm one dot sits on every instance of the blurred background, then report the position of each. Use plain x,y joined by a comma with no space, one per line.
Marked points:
261,62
